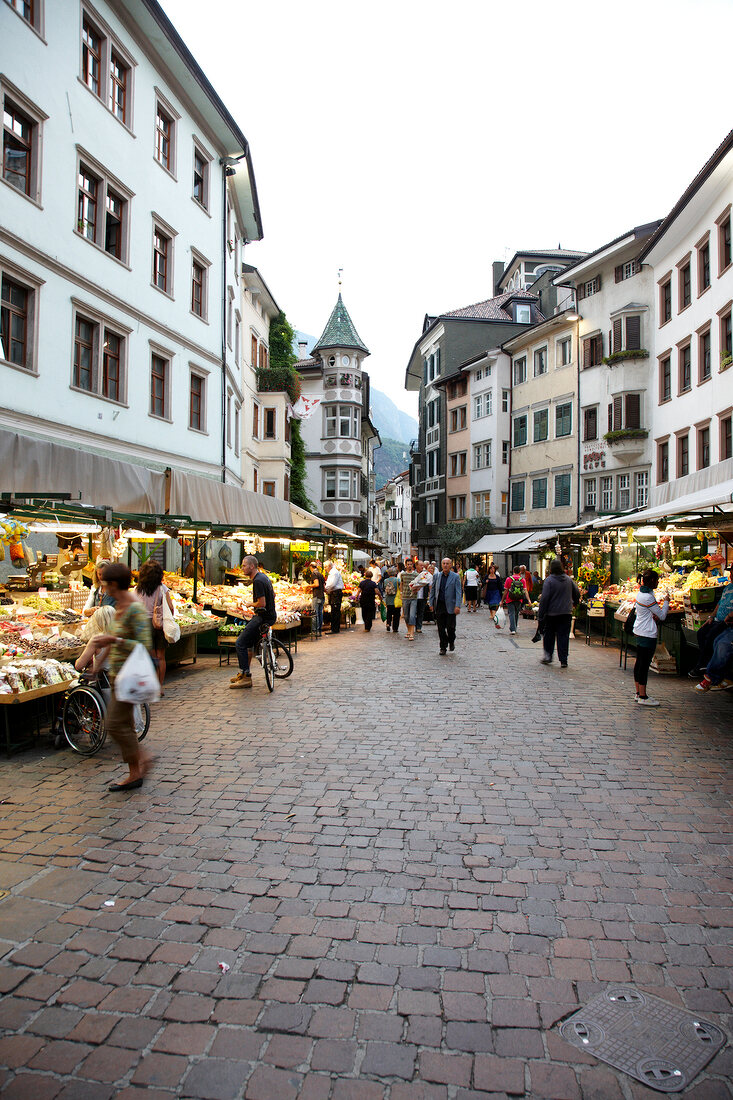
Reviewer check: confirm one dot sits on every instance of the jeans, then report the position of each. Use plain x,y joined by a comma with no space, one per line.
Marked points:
644,654
722,655
335,601
409,611
317,621
446,627
557,627
248,640
393,617
419,613
513,612
706,638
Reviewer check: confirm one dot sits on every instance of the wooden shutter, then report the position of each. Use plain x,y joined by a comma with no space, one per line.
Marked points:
587,353
610,417
255,421
619,272
633,410
633,332
618,412
598,282
425,371
617,335
254,352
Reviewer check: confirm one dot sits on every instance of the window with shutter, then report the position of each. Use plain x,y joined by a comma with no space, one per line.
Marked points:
610,417
618,412
619,272
618,335
633,410
633,333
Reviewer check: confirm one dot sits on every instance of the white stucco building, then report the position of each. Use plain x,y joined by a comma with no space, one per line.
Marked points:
127,196
691,386
394,529
615,301
489,391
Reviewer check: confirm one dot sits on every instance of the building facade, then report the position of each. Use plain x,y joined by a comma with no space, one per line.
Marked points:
395,515
691,377
489,411
338,433
615,302
544,431
128,194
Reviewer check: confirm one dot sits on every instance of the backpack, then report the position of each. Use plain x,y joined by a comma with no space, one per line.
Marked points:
517,591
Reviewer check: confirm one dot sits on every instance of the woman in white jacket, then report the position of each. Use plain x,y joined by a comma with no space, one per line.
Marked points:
648,614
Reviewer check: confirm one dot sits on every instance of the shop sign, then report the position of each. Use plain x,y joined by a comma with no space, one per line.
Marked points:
594,456
297,546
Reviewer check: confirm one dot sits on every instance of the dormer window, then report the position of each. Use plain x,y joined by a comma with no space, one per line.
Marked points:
522,314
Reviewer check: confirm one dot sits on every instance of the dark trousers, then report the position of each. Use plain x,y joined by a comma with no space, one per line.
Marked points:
644,654
393,617
420,612
367,614
557,628
446,627
335,601
706,636
248,640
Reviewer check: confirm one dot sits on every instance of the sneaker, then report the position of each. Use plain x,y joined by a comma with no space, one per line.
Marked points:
563,664
722,686
695,674
512,632
546,661
244,680
646,701
239,676
443,652
451,646
704,685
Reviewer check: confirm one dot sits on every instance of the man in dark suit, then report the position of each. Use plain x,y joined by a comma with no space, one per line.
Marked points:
445,601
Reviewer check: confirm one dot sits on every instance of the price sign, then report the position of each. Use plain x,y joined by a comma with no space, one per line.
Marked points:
43,593
299,546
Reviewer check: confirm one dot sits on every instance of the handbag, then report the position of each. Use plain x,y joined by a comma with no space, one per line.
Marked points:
158,612
383,612
137,681
630,620
398,599
171,629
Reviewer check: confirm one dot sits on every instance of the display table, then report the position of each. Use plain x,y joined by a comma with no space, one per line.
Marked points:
8,701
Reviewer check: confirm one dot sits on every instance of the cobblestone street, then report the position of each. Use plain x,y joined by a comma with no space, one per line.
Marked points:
414,867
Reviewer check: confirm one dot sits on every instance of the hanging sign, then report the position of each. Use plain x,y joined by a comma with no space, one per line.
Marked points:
297,546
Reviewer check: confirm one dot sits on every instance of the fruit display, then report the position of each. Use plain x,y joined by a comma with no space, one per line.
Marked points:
291,600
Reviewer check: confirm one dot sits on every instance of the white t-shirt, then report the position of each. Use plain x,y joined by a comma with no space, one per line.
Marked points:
471,578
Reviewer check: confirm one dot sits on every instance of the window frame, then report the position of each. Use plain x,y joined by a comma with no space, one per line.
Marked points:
684,283
200,149
704,354
725,435
164,356
163,105
101,324
106,183
201,375
723,225
481,504
563,344
704,265
682,468
665,300
641,489
516,420
725,331
662,461
605,490
536,484
109,46
515,495
703,445
32,286
590,494
36,118
536,419
561,416
269,413
623,485
162,229
587,411
198,260
665,376
36,21
560,486
519,365
684,366
592,350
539,360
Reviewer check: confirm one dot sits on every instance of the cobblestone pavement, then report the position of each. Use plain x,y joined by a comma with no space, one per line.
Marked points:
413,865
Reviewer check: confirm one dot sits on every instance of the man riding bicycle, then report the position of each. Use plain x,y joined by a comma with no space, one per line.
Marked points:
263,600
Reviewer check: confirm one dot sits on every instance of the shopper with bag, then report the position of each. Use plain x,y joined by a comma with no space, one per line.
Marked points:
335,593
156,599
391,592
560,594
515,595
130,629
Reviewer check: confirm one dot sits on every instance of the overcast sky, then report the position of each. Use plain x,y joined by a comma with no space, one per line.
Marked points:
413,142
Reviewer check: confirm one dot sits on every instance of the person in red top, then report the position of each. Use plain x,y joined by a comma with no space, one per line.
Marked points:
516,594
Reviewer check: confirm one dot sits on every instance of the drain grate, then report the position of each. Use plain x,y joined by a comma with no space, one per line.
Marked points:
659,1044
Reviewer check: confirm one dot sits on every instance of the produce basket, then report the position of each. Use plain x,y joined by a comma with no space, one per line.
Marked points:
705,597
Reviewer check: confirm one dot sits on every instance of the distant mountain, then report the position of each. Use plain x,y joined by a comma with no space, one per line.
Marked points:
391,422
389,460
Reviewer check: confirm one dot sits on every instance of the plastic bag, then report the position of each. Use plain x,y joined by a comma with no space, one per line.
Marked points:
171,629
500,618
137,681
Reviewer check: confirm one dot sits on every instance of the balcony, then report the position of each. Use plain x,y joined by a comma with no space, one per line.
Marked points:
627,444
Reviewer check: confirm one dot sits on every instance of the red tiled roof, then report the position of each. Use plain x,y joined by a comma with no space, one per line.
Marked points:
493,309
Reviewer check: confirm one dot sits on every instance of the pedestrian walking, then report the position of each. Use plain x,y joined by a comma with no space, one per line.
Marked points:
130,626
513,598
265,614
408,597
648,614
445,600
560,593
391,588
493,588
151,592
335,592
368,596
423,579
470,589
317,585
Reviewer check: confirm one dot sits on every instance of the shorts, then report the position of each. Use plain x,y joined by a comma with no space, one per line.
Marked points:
159,640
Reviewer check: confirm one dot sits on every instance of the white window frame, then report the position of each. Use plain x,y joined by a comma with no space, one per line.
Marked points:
482,504
623,485
538,481
641,488
505,401
565,343
539,358
606,490
521,359
590,494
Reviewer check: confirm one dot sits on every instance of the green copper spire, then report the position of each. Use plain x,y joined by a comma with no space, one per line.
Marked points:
340,331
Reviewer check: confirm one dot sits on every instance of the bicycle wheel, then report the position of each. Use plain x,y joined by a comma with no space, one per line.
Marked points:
268,663
141,719
283,659
83,720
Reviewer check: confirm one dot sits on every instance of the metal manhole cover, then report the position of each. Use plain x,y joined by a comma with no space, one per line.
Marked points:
659,1044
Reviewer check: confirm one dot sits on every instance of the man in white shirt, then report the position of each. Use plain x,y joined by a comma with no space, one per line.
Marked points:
470,588
335,592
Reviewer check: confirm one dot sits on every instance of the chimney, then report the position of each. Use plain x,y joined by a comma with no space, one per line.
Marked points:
303,349
497,270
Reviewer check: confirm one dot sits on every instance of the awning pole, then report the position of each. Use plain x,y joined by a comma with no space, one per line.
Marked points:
195,565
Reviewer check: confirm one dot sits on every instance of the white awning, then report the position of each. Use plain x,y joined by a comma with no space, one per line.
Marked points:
716,496
510,541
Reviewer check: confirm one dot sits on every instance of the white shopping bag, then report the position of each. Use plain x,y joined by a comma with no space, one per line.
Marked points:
137,680
171,629
500,618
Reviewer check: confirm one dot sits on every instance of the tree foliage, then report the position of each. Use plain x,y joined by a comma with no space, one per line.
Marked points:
454,537
285,376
